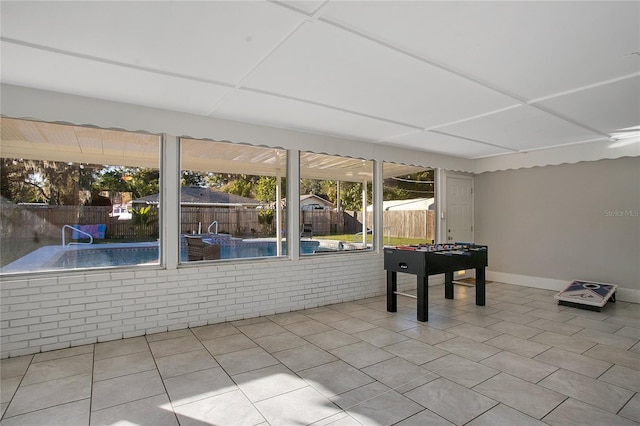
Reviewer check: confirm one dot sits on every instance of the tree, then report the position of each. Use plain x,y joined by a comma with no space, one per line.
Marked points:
191,178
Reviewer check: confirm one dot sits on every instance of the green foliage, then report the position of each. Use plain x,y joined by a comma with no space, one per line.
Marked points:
142,219
265,218
191,178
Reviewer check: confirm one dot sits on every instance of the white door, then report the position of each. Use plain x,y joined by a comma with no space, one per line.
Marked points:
459,215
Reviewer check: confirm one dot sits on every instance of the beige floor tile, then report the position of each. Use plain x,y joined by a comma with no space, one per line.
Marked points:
63,353
631,411
155,410
628,332
386,409
395,323
304,357
185,332
473,332
8,388
288,318
329,316
335,378
178,345
429,335
519,366
467,373
245,360
361,354
425,417
606,338
123,365
356,396
615,356
279,342
514,329
504,415
268,382
475,319
574,362
594,392
332,339
517,345
214,331
380,337
49,394
58,368
606,326
120,390
306,328
526,397
13,367
352,325
454,402
188,362
231,408
302,406
198,385
576,413
227,344
396,372
623,377
370,315
414,351
261,329
467,348
567,343
70,414
120,347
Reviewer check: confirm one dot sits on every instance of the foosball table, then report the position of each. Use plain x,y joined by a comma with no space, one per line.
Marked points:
432,259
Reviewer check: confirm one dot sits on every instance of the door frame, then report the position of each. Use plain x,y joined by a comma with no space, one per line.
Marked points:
442,177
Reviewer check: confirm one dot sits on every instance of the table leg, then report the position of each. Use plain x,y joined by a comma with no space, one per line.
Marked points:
392,285
448,285
423,298
480,287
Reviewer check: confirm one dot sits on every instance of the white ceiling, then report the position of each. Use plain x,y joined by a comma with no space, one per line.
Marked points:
468,79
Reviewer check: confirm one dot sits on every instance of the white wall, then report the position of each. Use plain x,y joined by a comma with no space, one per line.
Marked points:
548,225
50,312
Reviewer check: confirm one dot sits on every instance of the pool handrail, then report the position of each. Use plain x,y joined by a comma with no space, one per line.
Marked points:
78,230
215,222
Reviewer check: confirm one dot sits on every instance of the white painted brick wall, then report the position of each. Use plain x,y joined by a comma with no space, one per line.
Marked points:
56,311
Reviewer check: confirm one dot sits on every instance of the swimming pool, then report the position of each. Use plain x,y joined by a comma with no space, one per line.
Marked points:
129,254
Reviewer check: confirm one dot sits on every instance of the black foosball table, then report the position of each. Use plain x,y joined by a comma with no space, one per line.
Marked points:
425,260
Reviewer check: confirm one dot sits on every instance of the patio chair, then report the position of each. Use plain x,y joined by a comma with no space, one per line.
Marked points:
307,230
197,249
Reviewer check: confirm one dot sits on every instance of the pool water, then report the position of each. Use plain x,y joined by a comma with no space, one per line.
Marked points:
128,254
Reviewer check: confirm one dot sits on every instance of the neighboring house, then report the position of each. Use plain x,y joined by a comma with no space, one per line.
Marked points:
199,196
313,202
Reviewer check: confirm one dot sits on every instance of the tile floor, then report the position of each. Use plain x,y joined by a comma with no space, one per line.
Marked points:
520,360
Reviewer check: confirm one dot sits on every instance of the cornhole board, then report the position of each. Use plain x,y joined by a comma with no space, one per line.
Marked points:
587,295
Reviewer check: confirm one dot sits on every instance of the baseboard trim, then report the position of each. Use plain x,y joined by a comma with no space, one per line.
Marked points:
622,294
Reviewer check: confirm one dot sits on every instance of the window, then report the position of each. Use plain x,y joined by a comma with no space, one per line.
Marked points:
231,201
408,204
73,197
334,196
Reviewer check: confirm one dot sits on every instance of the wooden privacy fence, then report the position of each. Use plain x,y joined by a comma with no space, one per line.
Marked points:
407,223
47,221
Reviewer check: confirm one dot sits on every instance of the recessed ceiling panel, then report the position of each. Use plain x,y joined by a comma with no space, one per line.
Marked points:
607,108
444,144
529,48
329,66
214,40
24,66
281,112
522,129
